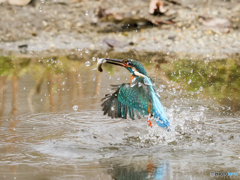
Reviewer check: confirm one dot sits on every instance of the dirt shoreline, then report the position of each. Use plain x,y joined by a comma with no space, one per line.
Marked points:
68,27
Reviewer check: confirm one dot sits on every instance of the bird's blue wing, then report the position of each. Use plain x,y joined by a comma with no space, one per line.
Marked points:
129,100
133,99
135,96
115,108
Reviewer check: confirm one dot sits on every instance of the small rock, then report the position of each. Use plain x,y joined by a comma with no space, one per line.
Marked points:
94,20
44,23
79,24
172,37
131,43
34,34
217,22
19,2
23,48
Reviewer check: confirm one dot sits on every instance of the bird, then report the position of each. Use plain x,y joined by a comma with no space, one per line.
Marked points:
135,99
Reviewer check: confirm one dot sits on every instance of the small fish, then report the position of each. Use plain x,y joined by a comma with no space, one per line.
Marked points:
99,64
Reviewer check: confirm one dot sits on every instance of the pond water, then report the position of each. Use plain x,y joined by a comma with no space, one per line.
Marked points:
52,126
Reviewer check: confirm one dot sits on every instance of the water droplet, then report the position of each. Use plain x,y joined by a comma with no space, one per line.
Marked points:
174,90
24,88
94,59
40,8
133,84
86,14
87,63
75,107
147,81
112,108
86,51
41,99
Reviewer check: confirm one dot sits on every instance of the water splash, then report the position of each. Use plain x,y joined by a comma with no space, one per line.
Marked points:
75,107
40,9
87,63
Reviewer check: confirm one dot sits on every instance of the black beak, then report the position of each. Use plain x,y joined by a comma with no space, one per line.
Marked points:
118,62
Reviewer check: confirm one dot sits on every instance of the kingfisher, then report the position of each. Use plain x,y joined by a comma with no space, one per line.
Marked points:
135,99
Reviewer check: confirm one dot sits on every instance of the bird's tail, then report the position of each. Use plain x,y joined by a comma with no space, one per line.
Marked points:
157,108
159,112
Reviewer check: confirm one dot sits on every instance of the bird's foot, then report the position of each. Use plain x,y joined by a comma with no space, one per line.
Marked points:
149,120
149,123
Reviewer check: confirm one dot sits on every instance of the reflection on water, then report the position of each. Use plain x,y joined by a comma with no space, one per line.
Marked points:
138,168
47,84
52,127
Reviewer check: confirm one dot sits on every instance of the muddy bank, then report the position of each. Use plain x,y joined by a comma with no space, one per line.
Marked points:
188,28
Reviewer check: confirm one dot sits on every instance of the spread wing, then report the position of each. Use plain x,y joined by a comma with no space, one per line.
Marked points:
128,100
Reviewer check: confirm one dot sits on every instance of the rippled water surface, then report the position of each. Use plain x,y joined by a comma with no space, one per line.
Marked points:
52,126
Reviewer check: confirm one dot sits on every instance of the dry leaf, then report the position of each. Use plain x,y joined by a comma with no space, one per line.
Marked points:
156,6
112,42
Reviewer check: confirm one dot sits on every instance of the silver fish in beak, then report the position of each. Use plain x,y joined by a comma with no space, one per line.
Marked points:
118,62
99,64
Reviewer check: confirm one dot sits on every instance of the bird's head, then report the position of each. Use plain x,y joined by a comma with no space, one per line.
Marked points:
133,66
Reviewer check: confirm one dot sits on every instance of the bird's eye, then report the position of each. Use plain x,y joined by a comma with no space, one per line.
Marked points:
127,63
